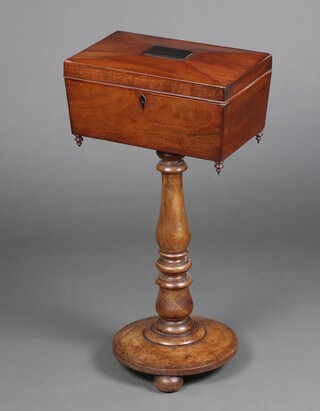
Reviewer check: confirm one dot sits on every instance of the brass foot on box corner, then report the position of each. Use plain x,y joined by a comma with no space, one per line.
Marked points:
259,136
219,166
78,140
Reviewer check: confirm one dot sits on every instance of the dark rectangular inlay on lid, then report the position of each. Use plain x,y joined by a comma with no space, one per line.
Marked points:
168,52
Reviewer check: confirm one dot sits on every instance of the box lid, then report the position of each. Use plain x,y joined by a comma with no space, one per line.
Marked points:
177,67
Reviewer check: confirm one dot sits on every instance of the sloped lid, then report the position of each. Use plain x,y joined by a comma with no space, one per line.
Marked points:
208,72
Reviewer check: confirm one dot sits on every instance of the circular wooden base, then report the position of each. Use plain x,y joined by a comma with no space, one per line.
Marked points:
134,350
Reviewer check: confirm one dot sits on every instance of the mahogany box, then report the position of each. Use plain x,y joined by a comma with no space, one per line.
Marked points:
174,96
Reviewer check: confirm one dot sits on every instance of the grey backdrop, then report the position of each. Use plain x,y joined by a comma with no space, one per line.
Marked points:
77,225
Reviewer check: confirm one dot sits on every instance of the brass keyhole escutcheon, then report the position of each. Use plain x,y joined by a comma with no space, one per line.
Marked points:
142,100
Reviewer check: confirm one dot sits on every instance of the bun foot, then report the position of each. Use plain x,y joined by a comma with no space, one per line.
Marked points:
167,383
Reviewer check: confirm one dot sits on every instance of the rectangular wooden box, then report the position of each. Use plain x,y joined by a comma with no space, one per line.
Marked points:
205,105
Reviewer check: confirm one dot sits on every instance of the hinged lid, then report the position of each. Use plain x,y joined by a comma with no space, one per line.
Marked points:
169,66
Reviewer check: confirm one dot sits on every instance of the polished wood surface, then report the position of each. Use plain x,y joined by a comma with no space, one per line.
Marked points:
174,303
171,124
245,115
205,106
211,72
174,344
213,351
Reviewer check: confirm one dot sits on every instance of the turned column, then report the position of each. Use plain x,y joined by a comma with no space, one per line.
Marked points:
174,303
174,326
173,344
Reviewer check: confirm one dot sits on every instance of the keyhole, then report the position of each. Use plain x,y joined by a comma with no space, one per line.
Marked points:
143,101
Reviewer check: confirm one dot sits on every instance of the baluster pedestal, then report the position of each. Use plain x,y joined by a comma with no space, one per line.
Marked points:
174,344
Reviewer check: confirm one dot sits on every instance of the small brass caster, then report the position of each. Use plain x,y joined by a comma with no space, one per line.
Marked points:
78,140
259,137
219,166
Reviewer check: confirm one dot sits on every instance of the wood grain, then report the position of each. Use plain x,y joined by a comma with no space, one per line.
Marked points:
213,351
212,72
245,115
174,344
205,106
167,123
